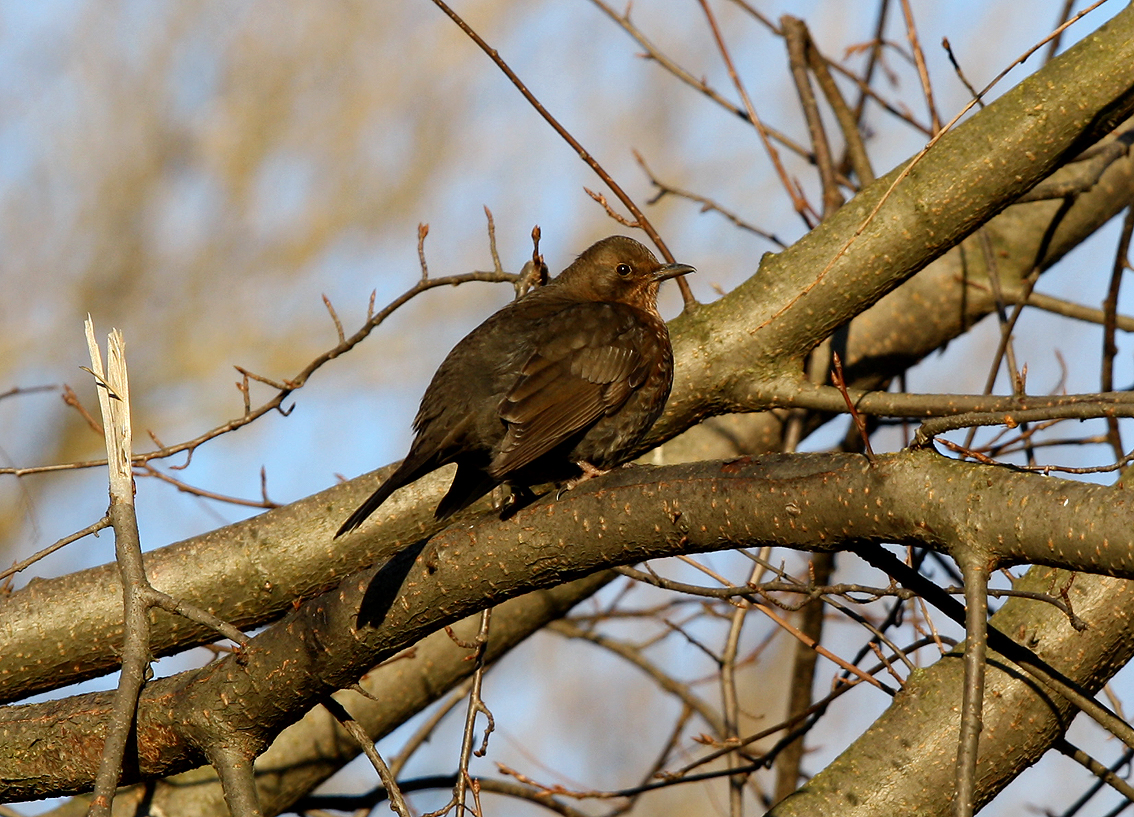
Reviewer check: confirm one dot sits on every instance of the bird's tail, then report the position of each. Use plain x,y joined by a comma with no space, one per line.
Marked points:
395,481
470,483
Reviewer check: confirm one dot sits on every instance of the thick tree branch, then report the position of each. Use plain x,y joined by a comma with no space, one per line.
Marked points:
906,760
809,502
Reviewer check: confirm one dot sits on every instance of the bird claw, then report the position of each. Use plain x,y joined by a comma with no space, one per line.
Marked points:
589,472
520,497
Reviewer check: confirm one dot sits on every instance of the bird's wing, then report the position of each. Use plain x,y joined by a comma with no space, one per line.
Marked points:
587,364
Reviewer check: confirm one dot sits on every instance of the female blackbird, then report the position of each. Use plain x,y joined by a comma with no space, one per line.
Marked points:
565,380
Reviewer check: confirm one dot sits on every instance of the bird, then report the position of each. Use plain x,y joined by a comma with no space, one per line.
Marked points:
560,384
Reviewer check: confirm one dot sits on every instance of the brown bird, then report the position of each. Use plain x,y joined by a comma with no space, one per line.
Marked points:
563,381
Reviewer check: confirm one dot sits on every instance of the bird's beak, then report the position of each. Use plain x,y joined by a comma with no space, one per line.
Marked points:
672,271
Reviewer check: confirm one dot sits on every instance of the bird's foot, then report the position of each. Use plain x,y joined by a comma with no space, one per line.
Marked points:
589,472
521,497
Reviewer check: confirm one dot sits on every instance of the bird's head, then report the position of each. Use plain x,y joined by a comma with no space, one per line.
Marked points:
619,269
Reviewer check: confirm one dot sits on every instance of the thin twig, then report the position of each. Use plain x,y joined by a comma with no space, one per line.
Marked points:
909,166
17,391
919,61
731,707
115,403
841,384
148,469
975,569
1064,13
707,204
799,47
476,707
335,319
957,70
355,730
422,232
627,202
374,319
47,551
798,202
1110,324
652,52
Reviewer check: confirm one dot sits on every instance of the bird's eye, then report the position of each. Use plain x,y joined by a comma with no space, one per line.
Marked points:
624,270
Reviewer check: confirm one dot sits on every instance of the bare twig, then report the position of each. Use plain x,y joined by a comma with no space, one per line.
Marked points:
707,205
17,391
919,61
476,707
335,319
356,731
1110,324
840,383
492,241
975,568
148,469
799,57
909,166
47,551
285,388
114,399
798,202
627,202
652,52
960,73
422,232
1053,47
